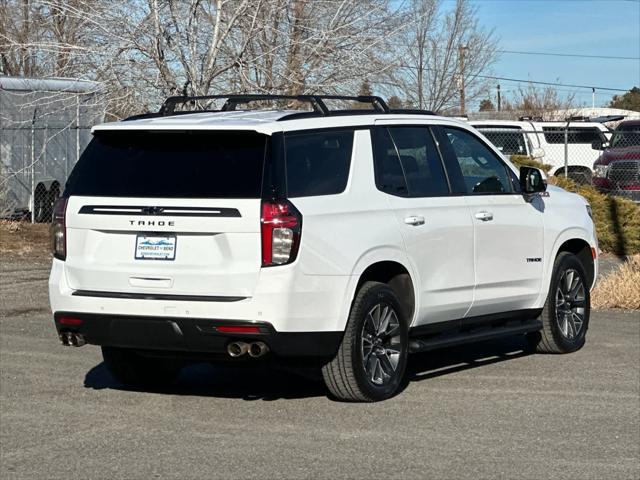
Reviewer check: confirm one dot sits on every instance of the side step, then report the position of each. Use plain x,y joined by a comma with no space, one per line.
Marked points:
450,340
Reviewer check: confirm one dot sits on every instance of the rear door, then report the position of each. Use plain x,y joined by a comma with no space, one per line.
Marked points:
436,226
508,229
166,213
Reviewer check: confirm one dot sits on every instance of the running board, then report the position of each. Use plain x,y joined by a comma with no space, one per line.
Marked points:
451,340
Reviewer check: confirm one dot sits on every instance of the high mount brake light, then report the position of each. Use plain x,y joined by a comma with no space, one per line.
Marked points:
281,226
59,229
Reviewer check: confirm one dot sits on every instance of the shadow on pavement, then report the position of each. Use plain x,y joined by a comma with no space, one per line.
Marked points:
263,383
424,366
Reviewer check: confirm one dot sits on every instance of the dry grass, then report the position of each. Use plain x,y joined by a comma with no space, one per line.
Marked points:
23,239
621,288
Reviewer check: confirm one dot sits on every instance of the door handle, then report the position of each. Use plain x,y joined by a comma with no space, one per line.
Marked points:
484,216
414,220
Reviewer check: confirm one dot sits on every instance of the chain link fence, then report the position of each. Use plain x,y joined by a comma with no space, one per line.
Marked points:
44,126
594,155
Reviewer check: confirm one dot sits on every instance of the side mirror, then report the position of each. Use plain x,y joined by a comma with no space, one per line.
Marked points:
599,145
532,180
537,153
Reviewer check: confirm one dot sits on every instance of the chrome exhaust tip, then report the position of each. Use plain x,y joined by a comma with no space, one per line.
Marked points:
258,349
237,349
71,339
80,340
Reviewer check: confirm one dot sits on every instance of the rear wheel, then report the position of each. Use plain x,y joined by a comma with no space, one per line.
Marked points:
131,368
565,316
372,357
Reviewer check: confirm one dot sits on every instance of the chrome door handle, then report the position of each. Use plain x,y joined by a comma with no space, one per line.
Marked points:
484,216
414,220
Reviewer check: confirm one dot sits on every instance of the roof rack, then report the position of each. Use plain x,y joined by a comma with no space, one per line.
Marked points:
316,101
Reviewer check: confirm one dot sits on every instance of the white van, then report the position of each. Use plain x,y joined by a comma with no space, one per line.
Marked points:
545,141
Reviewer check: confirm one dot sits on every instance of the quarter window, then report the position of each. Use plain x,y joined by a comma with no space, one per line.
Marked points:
318,162
482,170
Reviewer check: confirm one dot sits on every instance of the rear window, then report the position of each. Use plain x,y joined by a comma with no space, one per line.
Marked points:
171,165
318,162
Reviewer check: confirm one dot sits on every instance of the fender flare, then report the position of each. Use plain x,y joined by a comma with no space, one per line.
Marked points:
371,257
571,233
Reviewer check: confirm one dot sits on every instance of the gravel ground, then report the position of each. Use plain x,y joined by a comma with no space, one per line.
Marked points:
483,411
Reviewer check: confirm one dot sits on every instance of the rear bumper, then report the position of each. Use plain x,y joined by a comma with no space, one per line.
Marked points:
198,336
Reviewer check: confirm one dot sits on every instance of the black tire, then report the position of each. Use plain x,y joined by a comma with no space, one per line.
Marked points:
133,369
40,206
346,376
554,338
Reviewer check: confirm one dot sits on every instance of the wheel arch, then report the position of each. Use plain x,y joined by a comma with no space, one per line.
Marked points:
577,242
582,250
390,267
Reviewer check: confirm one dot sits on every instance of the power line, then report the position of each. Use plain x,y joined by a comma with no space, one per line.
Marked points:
506,79
577,55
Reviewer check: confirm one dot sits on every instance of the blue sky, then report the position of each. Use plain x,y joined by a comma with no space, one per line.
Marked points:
587,27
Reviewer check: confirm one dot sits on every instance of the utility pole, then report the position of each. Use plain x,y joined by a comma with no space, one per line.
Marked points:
593,97
499,98
461,50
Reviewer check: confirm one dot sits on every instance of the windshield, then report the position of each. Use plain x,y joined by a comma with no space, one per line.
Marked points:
170,165
626,136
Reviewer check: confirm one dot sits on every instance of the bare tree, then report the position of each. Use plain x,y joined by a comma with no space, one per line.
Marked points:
328,46
39,38
428,72
540,102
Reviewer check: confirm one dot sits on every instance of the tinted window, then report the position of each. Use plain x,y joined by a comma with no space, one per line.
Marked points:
575,135
409,163
389,175
318,162
482,170
171,165
626,136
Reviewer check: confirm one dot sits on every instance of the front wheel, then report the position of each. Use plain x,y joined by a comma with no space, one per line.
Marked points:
565,317
372,357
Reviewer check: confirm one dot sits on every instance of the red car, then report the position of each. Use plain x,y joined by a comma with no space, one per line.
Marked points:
617,171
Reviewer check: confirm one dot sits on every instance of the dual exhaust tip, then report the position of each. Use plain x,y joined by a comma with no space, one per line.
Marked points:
72,339
254,349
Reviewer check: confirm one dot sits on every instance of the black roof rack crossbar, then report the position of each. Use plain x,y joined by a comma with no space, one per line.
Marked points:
232,101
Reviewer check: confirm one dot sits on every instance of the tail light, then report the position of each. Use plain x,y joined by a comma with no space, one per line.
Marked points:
59,229
281,226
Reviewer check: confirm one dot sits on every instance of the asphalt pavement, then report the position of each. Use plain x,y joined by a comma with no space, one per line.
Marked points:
482,411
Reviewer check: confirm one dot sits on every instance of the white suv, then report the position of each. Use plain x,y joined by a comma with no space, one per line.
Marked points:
350,238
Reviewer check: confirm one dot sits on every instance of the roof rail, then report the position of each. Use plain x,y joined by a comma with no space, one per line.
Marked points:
316,101
530,119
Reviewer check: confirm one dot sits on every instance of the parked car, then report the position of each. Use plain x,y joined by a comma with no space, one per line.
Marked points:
346,239
617,170
545,141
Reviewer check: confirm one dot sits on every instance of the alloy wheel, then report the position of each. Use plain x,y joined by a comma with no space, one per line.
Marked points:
570,304
381,344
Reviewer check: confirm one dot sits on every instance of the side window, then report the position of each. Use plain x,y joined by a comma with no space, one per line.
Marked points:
389,175
408,163
586,135
482,170
318,162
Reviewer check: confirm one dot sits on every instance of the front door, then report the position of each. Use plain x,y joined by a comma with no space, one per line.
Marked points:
508,229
